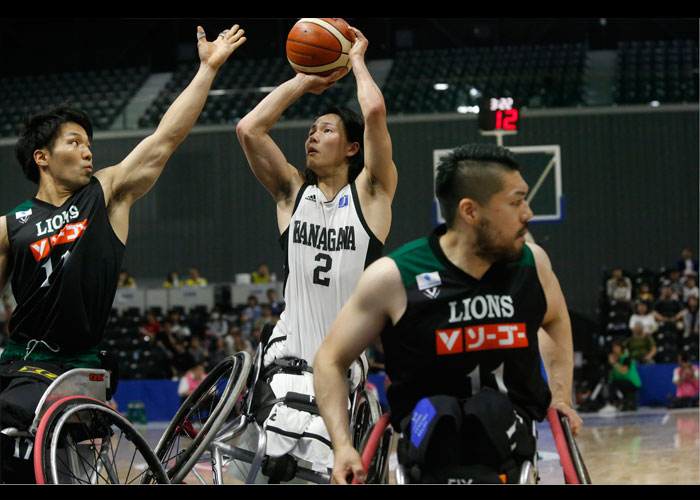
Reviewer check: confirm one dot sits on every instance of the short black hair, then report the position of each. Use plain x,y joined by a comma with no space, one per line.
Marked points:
354,126
40,131
471,171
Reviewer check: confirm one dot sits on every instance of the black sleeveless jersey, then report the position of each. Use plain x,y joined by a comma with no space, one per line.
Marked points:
65,264
459,334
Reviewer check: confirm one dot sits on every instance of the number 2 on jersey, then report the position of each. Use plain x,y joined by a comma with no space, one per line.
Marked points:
324,267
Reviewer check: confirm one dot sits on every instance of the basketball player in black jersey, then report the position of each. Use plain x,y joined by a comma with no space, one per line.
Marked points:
55,153
64,246
472,300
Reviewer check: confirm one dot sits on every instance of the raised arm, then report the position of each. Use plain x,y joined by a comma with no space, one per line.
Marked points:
378,298
137,173
267,161
379,165
556,342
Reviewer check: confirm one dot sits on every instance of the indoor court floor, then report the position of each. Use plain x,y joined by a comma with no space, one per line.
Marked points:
652,446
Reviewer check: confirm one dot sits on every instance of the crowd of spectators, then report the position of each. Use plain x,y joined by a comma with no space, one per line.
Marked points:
648,317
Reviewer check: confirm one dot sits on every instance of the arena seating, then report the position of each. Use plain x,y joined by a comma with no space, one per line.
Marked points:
538,76
103,94
666,71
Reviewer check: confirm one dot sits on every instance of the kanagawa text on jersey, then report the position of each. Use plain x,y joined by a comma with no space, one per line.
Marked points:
322,238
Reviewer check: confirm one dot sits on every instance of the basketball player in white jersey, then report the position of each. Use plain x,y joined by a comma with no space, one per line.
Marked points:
334,218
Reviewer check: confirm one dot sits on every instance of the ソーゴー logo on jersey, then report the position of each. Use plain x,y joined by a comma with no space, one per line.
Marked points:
68,234
480,337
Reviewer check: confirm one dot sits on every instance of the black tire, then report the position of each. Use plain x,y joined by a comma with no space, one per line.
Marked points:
197,421
366,413
81,440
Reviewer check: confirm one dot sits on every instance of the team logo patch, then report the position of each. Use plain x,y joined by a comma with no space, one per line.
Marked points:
429,284
343,201
480,338
38,371
23,216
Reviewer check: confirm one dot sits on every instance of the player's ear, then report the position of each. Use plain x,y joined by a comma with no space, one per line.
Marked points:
41,157
353,148
468,211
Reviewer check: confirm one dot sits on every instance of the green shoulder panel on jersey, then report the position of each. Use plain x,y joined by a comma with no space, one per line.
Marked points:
22,208
528,258
415,258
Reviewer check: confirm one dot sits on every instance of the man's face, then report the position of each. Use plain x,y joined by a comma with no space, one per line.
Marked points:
70,160
502,224
326,145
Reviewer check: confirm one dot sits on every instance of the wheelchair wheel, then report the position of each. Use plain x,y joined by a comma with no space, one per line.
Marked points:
375,449
197,421
81,440
366,413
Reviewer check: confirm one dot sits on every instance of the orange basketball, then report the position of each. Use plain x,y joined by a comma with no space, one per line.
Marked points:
319,45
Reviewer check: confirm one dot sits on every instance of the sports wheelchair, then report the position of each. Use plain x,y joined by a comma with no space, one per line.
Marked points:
573,467
204,437
77,438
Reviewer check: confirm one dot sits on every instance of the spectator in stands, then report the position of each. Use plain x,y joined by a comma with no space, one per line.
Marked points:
613,282
166,336
644,317
252,310
196,350
194,278
179,329
690,317
674,281
667,309
151,327
190,380
687,265
126,280
217,324
261,274
182,359
621,290
623,380
641,347
276,304
240,343
218,352
685,378
229,338
266,317
172,280
690,289
644,293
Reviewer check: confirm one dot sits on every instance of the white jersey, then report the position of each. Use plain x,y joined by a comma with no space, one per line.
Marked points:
328,246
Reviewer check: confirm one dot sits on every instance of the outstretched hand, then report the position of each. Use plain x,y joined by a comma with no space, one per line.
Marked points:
217,52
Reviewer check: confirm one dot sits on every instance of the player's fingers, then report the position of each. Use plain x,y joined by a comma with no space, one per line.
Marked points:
200,34
359,472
